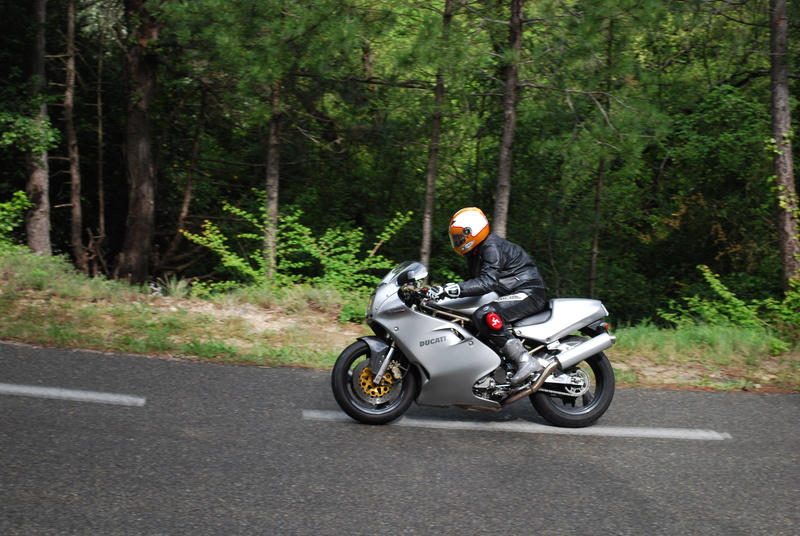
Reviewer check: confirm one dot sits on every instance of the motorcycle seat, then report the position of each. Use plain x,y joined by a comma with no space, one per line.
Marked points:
538,318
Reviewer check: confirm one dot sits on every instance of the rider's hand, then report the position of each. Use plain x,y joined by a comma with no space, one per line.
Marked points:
435,293
452,290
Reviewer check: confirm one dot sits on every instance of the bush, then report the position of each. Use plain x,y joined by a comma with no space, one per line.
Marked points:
779,321
336,254
11,216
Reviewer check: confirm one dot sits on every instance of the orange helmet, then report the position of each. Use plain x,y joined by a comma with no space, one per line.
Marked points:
468,228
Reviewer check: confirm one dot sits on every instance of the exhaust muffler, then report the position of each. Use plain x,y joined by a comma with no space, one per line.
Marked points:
575,355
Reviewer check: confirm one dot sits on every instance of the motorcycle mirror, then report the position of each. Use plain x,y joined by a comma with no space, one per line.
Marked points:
411,275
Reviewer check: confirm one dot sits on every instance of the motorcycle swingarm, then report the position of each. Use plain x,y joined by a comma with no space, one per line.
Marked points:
563,379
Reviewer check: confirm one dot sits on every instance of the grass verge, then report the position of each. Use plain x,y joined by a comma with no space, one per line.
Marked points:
45,301
704,357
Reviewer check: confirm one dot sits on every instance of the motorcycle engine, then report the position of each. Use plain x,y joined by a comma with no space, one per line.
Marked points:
493,386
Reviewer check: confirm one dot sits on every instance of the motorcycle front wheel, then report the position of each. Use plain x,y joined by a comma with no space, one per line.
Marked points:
364,400
576,406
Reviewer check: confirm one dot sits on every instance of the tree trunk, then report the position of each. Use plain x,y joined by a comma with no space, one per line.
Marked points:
598,205
510,98
788,227
37,220
76,224
431,172
97,257
141,74
171,253
273,176
433,150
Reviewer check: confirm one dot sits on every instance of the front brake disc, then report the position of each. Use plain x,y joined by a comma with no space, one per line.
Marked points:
371,388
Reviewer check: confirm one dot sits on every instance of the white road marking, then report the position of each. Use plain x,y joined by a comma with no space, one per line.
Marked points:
533,428
71,394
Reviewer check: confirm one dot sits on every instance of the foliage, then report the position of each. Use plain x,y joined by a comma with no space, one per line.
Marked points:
726,309
336,253
27,133
639,149
784,315
11,215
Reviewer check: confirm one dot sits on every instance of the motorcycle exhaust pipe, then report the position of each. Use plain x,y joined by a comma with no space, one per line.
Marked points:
570,358
575,355
535,386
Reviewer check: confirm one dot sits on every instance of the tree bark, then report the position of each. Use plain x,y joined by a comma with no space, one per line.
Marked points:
141,75
510,99
272,183
788,228
76,224
96,243
37,219
171,253
598,205
433,149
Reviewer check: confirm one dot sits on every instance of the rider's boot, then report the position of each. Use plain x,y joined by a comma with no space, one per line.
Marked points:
518,354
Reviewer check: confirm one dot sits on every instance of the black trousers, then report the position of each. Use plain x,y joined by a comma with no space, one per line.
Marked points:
510,309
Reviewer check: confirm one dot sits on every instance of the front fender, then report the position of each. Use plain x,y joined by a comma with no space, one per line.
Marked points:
378,352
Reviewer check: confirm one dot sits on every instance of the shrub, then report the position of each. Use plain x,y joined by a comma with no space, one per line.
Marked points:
779,320
336,254
11,216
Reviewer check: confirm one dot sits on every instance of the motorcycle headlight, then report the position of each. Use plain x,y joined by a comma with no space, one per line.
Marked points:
368,312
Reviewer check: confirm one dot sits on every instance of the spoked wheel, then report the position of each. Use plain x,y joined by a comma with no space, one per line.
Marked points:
581,401
363,399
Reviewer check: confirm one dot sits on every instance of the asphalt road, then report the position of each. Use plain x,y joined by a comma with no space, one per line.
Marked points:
202,449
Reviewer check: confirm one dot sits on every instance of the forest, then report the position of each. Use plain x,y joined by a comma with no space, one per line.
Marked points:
637,149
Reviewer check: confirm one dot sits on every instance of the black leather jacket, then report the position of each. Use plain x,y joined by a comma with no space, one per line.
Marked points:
501,266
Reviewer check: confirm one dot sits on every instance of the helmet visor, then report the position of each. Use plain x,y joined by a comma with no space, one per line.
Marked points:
457,240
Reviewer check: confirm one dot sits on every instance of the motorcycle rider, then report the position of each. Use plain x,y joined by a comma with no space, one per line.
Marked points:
495,264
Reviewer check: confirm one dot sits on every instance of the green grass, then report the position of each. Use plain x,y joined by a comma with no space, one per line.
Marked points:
716,353
722,345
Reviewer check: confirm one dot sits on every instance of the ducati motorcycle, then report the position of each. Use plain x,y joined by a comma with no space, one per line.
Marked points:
429,352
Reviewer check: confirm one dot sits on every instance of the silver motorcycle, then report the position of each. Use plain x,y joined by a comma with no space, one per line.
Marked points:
429,352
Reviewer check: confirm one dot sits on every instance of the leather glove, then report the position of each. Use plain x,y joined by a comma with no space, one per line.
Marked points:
452,290
435,293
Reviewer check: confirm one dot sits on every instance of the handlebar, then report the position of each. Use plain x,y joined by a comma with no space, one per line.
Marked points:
413,295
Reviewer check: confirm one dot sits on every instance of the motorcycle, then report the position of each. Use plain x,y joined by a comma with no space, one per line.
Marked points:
428,351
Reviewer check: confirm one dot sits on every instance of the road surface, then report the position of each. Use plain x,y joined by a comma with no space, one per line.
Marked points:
97,444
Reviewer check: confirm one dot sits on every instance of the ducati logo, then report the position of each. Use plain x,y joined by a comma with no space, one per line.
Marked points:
428,342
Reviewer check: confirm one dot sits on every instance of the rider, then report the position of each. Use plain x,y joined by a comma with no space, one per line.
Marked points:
495,264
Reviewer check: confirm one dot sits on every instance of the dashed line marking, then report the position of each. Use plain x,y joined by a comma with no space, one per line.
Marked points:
71,394
533,428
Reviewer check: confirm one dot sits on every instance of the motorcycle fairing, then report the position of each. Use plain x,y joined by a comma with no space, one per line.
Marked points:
566,316
450,359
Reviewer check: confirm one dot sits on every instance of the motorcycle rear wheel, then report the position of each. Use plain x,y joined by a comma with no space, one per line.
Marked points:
363,400
584,410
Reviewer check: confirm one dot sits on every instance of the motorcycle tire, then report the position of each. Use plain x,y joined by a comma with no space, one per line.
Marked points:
363,400
584,410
